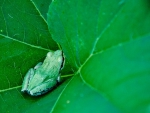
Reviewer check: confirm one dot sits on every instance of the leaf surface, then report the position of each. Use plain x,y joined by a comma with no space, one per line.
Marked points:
108,45
24,41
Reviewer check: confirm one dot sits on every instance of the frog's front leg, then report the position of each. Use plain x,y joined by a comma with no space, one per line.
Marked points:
59,78
27,79
38,65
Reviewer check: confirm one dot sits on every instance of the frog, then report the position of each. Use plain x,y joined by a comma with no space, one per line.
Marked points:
44,76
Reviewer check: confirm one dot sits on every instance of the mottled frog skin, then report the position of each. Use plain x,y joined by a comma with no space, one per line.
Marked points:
44,76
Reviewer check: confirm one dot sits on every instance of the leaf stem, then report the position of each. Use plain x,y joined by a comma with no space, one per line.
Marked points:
63,76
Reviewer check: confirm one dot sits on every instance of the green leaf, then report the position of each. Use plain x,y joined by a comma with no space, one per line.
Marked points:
78,97
108,45
18,23
24,41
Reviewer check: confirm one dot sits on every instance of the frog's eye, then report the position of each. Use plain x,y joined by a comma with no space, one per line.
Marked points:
59,59
49,54
58,53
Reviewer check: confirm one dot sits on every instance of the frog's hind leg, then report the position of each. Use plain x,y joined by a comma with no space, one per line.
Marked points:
27,78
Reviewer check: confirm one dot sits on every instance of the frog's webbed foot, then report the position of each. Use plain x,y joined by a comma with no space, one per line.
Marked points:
59,78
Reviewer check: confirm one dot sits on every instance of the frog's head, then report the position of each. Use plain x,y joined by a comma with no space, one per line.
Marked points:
58,56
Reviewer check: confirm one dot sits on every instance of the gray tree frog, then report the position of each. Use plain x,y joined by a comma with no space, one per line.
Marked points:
44,76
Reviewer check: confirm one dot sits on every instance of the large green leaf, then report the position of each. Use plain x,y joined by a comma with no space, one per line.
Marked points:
78,97
24,41
108,45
